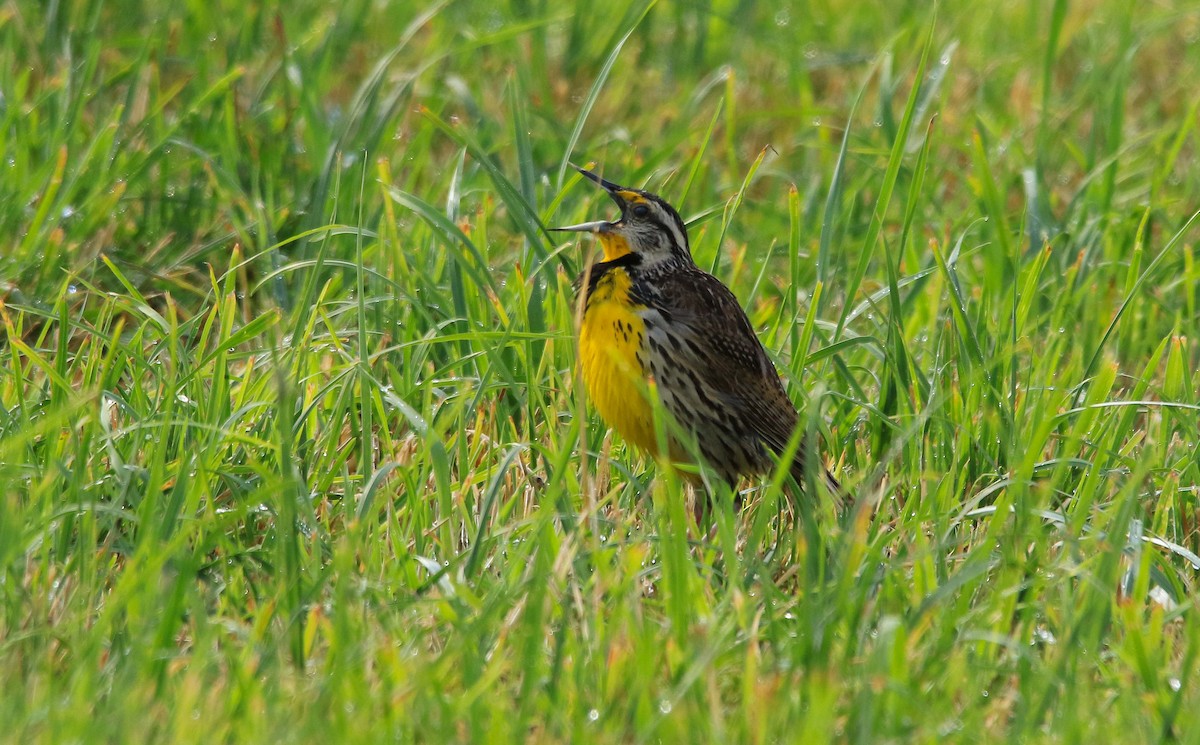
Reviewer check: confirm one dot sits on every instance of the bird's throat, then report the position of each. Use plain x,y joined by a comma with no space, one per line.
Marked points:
615,246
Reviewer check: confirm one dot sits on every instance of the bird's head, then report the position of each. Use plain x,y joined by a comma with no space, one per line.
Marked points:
648,227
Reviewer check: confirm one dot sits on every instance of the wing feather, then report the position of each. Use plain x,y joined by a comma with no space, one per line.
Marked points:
719,343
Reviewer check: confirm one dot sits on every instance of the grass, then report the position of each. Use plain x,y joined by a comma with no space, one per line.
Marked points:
290,441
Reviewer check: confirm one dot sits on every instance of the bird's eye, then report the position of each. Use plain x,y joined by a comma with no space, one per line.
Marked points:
641,211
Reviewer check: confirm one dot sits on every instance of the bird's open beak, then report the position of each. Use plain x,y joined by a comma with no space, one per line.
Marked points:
597,226
605,184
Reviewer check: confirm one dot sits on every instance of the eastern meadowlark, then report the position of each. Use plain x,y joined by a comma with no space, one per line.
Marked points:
653,320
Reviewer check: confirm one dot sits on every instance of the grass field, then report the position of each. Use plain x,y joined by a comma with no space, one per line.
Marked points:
292,447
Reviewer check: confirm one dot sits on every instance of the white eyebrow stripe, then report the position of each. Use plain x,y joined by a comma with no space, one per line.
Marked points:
666,218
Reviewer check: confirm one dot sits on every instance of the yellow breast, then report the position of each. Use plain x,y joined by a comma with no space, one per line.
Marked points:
612,351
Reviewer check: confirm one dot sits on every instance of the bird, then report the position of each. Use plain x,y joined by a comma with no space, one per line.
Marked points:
654,324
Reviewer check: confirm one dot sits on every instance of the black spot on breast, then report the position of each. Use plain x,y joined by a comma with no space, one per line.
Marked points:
604,268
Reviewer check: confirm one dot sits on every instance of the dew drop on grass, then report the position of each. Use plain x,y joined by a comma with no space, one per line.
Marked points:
782,18
594,715
1042,635
665,706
